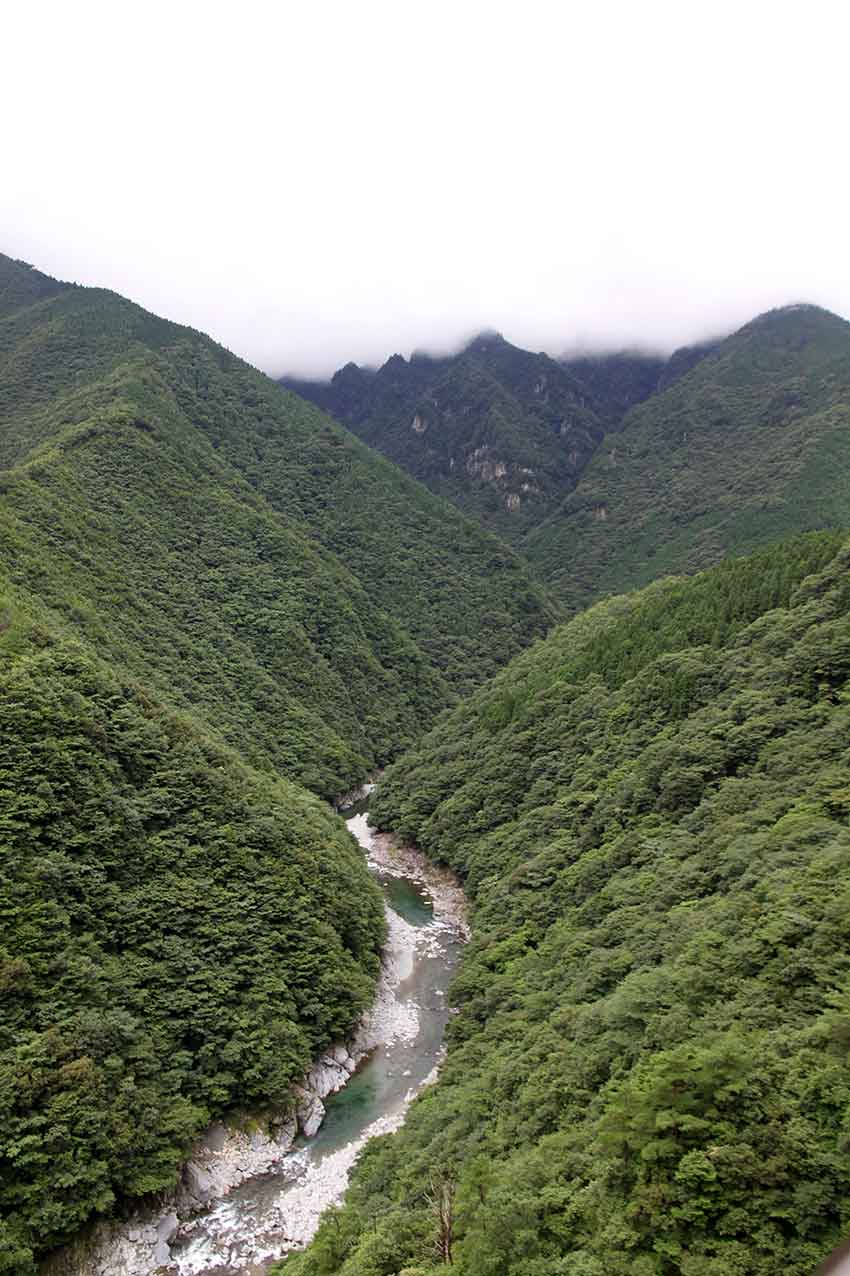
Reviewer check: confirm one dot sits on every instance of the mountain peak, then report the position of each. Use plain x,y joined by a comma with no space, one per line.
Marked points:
395,363
794,315
22,285
486,340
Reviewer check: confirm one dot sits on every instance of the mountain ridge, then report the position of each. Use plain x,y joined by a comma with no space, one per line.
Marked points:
748,446
543,450
217,608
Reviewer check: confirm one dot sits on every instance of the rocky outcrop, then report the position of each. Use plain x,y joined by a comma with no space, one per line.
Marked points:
227,1155
310,1111
147,1243
355,795
480,465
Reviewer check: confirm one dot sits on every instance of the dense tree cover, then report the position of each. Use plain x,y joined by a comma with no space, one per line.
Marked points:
179,934
21,285
236,550
609,471
748,446
617,381
438,574
211,596
208,586
500,432
649,1072
682,360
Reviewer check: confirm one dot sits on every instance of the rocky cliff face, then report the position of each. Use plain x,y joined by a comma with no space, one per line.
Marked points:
503,433
226,1156
499,431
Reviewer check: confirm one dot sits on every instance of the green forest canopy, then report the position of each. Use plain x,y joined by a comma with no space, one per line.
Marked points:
181,934
649,1072
212,599
748,447
229,545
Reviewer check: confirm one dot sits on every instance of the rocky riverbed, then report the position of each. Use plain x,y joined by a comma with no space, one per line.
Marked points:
255,1188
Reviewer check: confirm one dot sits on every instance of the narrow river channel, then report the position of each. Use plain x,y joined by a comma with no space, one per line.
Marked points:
259,1221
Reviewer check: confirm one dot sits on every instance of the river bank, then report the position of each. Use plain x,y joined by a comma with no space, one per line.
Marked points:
254,1188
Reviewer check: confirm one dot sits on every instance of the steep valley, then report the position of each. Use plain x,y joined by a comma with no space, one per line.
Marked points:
649,1070
217,608
615,710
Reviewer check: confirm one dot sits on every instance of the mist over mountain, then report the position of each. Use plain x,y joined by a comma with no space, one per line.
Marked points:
219,608
424,640
749,445
500,432
592,464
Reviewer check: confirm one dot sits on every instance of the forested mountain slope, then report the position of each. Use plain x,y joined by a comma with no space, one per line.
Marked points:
502,433
228,543
606,472
616,382
649,1071
210,596
750,445
181,934
498,431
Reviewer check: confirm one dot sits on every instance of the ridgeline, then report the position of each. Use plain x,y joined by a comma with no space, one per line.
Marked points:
606,472
212,599
219,608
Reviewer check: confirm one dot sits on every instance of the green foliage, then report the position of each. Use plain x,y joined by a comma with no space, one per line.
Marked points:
180,934
23,285
748,447
207,587
228,545
616,382
623,468
498,431
649,1074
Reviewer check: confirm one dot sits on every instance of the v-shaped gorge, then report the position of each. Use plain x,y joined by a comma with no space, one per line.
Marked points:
213,601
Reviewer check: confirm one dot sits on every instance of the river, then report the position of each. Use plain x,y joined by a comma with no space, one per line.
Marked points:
256,1223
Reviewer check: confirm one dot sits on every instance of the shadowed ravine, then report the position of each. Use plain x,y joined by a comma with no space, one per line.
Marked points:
265,1217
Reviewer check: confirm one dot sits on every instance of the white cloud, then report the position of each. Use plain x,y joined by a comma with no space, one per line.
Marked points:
317,183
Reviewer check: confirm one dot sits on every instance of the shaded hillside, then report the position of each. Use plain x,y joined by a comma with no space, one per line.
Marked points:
649,1070
608,471
180,934
501,433
226,542
498,431
682,360
21,285
618,381
210,595
750,445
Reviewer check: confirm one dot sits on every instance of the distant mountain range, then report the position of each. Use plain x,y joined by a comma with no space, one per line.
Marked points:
607,472
500,432
219,608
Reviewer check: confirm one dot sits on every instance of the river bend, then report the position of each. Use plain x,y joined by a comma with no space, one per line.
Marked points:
265,1217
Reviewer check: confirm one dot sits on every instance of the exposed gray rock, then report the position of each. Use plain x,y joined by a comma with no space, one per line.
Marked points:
198,1182
309,1109
165,1229
326,1077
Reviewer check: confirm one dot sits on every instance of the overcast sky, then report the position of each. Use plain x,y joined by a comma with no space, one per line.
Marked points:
312,183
